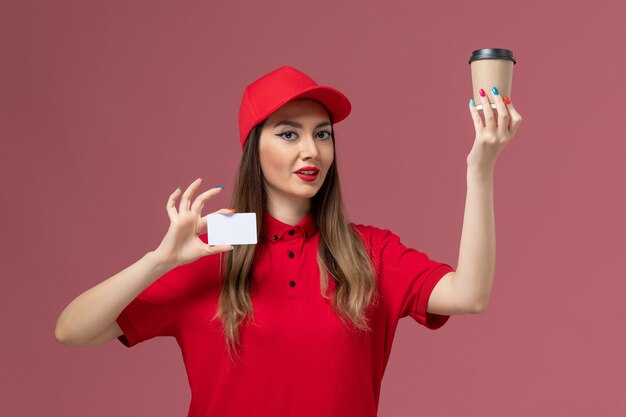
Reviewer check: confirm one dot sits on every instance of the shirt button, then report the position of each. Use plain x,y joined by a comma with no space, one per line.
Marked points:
291,232
291,255
292,283
275,237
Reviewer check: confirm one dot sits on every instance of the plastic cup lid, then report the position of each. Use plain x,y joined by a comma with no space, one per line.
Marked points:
492,53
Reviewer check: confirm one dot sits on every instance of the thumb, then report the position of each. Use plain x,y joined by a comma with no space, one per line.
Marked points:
219,248
478,123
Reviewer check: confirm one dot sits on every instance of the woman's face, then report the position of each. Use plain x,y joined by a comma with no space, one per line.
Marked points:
296,136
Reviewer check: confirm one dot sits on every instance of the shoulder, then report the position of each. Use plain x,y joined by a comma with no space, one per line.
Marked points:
372,234
374,238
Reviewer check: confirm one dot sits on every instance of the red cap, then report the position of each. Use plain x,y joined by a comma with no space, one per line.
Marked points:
272,91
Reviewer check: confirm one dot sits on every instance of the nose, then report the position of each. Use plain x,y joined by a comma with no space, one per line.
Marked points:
308,148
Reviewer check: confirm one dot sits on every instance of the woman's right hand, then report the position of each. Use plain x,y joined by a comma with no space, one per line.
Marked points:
181,244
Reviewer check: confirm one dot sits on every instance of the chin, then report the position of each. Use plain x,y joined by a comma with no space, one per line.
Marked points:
308,194
309,187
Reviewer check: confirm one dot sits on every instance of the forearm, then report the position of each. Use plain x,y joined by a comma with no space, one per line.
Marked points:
92,312
477,253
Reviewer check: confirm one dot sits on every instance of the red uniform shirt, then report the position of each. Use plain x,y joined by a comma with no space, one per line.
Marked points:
297,359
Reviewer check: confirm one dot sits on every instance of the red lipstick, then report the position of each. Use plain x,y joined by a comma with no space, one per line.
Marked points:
308,173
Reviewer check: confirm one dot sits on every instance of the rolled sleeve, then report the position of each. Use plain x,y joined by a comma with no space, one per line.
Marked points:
407,278
418,312
154,312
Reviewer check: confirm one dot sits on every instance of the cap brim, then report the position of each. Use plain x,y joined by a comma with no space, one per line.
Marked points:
334,100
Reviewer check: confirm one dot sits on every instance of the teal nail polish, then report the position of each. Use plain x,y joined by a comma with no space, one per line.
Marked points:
220,186
472,102
495,90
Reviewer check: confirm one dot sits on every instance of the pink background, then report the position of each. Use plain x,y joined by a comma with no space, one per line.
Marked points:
107,107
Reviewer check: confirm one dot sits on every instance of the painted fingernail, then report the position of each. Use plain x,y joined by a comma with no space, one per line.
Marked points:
220,186
506,100
482,92
472,102
232,209
495,91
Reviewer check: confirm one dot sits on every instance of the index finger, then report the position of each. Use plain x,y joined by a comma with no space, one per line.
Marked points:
198,203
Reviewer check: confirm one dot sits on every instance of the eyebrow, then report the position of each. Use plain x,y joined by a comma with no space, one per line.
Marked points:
298,125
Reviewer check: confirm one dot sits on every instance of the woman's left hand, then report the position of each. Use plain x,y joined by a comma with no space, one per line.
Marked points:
494,133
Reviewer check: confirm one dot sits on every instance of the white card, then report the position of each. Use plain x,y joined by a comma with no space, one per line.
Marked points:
231,229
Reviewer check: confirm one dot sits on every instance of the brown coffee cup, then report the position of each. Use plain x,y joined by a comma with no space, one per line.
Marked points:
491,68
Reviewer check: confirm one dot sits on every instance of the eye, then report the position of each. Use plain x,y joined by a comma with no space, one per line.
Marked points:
324,132
288,135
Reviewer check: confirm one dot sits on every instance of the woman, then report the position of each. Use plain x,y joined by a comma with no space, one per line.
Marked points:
303,322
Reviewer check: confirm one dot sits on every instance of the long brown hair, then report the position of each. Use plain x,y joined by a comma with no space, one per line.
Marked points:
341,252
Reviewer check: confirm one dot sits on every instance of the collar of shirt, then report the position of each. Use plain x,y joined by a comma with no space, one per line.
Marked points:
275,230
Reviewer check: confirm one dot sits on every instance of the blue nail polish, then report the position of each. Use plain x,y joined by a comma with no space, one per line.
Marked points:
495,90
472,102
220,186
